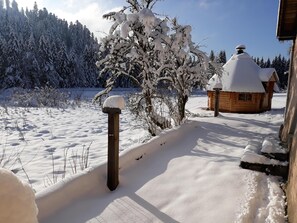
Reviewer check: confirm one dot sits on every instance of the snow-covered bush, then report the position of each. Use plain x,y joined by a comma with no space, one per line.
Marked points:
40,97
158,55
17,200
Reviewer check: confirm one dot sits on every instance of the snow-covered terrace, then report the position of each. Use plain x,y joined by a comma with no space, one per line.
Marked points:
188,174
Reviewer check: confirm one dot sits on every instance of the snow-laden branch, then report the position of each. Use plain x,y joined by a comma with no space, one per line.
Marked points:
155,53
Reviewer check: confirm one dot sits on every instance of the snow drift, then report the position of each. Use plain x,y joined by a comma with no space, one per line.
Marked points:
17,200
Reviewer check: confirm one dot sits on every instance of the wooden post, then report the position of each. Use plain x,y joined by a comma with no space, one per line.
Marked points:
217,101
113,147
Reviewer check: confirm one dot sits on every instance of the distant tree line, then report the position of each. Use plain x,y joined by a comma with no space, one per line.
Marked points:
219,58
38,49
279,63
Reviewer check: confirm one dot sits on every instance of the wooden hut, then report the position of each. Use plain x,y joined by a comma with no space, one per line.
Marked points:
246,88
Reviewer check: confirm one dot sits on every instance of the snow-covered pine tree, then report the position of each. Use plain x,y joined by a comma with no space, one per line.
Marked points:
30,65
2,58
212,56
262,64
268,63
281,66
13,53
28,62
154,53
89,59
14,6
62,64
48,73
1,6
7,4
222,57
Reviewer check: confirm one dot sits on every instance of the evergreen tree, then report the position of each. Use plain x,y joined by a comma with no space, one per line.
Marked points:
13,54
268,63
62,65
2,58
7,4
281,66
1,9
222,57
14,6
90,58
37,49
261,62
31,69
212,56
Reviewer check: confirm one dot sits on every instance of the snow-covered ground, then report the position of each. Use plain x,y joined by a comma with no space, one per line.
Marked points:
39,142
187,174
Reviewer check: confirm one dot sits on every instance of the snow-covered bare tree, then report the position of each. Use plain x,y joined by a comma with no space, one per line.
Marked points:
184,67
159,56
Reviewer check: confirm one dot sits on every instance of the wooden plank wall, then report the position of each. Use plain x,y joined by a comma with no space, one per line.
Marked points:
247,106
229,102
289,134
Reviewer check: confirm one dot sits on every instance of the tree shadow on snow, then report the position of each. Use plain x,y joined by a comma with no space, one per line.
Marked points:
217,142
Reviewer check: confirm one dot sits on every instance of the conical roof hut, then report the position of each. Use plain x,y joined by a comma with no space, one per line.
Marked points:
246,87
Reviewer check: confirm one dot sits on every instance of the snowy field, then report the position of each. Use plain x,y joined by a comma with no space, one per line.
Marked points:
186,174
37,143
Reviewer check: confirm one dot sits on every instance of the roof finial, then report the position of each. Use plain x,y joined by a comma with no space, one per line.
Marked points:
240,48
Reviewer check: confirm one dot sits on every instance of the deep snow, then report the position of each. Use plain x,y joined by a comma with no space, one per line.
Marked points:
183,175
39,142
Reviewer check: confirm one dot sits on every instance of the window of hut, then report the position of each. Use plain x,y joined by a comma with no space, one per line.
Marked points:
245,97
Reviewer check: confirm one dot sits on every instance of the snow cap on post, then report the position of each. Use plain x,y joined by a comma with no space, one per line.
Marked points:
218,85
114,104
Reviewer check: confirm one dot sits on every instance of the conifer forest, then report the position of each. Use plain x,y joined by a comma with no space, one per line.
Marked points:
39,49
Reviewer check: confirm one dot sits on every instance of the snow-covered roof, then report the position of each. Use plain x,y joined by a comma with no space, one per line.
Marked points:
266,73
213,82
242,74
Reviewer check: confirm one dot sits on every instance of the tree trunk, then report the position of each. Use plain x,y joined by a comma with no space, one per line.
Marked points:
154,118
181,102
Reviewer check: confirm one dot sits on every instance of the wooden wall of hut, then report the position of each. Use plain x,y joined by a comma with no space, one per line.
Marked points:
240,102
269,87
289,136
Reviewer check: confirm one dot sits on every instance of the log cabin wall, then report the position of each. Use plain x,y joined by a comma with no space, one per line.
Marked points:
289,136
237,102
269,88
225,101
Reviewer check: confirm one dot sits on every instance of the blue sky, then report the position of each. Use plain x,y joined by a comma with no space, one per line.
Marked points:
223,24
216,24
